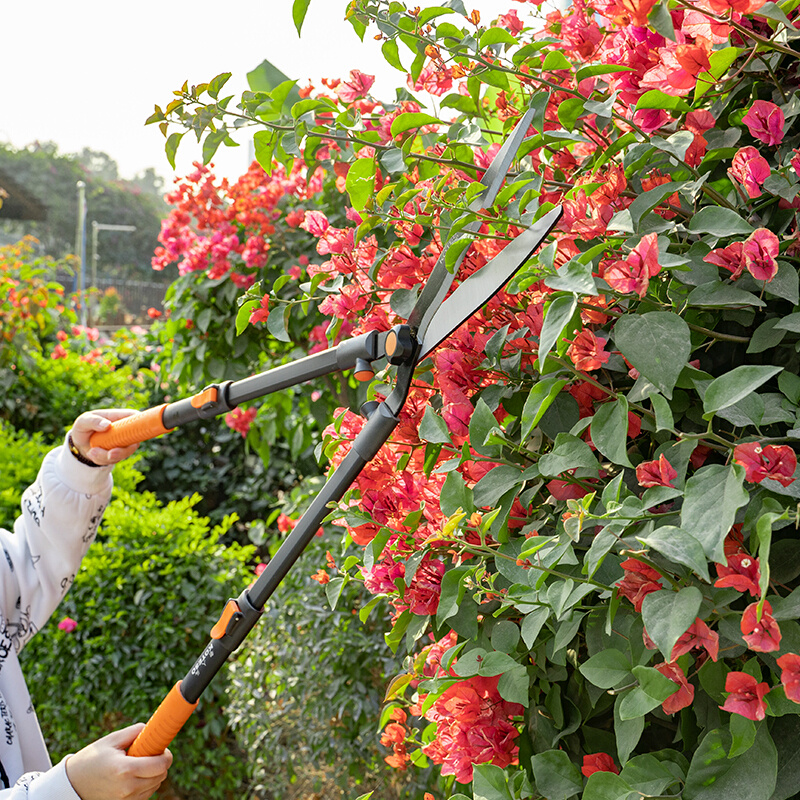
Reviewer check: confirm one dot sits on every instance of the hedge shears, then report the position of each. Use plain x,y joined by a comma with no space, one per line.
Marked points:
433,318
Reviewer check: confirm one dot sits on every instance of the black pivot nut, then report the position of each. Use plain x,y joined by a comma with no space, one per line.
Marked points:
400,344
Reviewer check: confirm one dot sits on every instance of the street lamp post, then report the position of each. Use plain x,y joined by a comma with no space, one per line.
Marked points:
96,228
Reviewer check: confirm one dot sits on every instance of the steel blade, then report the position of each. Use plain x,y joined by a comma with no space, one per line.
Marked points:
480,287
441,279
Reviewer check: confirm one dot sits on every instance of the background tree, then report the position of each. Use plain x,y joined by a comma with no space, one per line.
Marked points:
51,177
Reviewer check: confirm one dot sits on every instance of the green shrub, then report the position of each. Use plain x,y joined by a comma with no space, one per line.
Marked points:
50,393
21,457
145,599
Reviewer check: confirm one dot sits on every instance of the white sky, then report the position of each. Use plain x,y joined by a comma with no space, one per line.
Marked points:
88,73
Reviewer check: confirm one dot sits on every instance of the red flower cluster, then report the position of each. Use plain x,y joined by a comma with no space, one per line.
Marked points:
777,462
473,727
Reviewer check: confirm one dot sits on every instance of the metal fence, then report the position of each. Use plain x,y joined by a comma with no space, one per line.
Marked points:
117,301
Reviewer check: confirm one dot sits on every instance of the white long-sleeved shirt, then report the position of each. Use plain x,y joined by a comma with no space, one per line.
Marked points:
61,512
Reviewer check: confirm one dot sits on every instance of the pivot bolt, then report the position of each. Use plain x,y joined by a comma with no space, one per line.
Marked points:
400,344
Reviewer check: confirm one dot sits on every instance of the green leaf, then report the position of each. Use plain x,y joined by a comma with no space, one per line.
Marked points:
569,111
243,315
514,685
626,731
299,10
555,60
489,783
569,452
360,182
653,689
215,86
657,99
719,61
716,293
657,343
734,386
433,428
574,276
663,412
743,734
609,431
494,484
719,222
713,496
537,402
606,786
264,143
607,669
411,119
277,323
647,775
667,616
661,22
171,147
786,735
556,776
713,776
556,316
452,592
391,54
455,495
678,546
496,36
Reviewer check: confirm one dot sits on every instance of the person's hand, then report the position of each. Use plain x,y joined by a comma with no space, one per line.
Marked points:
92,421
103,771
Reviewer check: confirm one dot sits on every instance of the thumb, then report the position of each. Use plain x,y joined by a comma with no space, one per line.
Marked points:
124,737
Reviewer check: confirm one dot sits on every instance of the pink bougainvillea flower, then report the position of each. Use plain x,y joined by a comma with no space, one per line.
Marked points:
68,625
700,121
760,254
693,58
511,22
751,169
261,313
639,581
240,419
473,727
634,273
746,696
598,762
795,161
777,462
698,635
683,696
741,573
656,473
764,635
358,86
765,122
790,675
729,258
59,352
587,352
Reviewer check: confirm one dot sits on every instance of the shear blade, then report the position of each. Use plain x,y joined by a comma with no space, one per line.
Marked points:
473,293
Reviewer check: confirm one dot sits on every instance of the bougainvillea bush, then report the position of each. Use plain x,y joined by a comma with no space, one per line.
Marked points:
586,523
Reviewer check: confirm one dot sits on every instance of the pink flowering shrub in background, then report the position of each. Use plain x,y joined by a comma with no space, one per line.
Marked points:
584,527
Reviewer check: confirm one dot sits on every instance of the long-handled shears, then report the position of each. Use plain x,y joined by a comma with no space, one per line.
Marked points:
432,320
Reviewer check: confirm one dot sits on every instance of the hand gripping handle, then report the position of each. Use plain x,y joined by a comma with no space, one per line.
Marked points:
131,430
164,725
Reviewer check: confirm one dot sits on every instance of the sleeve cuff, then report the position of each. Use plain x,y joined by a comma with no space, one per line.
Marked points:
51,785
81,477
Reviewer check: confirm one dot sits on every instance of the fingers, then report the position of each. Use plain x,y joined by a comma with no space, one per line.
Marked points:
100,420
124,737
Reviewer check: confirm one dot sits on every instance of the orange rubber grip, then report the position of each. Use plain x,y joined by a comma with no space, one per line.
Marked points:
131,430
164,725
